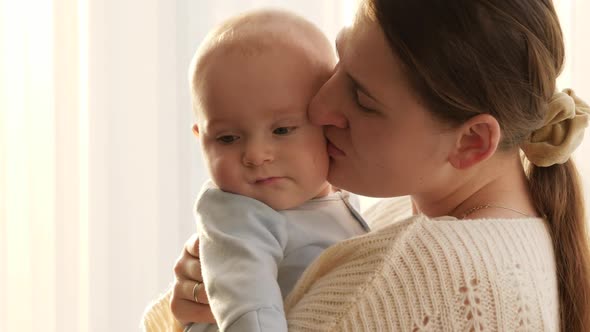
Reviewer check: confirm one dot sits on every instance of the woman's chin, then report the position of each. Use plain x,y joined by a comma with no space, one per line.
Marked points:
343,177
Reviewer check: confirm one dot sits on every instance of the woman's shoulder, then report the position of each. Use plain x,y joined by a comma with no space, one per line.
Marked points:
437,267
525,229
489,243
504,265
449,235
387,211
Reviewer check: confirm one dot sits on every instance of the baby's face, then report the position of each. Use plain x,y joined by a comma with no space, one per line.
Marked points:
254,129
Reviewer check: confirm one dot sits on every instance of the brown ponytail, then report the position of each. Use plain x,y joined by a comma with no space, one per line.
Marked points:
557,194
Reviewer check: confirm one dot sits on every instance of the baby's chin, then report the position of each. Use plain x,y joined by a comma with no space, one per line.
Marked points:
286,198
277,203
287,202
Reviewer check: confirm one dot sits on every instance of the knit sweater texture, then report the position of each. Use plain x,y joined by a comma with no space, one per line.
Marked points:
428,274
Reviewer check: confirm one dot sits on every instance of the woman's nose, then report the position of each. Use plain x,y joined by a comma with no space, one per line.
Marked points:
257,153
327,106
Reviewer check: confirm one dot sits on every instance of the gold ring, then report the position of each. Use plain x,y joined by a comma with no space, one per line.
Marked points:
196,290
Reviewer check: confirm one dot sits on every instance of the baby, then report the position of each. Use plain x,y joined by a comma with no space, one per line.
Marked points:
269,211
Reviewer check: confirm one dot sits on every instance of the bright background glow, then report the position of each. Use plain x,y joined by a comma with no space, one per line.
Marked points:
348,10
98,167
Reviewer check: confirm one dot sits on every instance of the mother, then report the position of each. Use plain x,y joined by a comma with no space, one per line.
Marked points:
437,99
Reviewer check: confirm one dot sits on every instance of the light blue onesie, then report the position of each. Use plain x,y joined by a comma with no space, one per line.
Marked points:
252,255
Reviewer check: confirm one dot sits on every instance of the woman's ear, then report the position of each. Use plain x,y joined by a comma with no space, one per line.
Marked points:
477,140
196,130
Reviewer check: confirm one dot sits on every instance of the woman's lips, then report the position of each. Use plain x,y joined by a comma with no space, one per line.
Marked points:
333,151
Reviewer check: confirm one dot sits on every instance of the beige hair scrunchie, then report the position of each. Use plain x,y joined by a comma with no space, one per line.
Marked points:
562,132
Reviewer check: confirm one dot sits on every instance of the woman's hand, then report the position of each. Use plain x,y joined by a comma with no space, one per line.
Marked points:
188,272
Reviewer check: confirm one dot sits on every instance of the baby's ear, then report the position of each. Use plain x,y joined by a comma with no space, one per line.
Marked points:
477,140
196,130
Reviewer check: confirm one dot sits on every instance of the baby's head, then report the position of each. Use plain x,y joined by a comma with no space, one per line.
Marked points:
251,83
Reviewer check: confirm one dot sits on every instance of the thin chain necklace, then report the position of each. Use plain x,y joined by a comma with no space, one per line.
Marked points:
488,206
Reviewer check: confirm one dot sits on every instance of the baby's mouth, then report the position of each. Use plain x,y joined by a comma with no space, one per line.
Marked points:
268,180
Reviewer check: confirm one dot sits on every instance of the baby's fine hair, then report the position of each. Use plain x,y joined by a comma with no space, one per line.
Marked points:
255,32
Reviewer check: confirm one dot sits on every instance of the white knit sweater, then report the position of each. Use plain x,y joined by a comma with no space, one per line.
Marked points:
424,274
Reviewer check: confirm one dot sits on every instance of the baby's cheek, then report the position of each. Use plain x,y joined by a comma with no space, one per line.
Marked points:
320,156
315,165
224,173
322,164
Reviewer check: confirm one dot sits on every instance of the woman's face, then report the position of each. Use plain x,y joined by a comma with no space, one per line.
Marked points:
382,140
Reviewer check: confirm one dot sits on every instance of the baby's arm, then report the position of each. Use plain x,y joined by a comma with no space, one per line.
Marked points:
241,244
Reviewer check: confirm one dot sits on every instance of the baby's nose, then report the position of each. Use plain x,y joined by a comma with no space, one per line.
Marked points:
257,153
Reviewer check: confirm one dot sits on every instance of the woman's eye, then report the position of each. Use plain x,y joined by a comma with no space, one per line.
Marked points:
227,139
363,107
283,130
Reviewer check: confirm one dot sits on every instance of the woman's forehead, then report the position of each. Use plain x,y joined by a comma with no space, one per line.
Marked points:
363,48
364,33
361,18
370,64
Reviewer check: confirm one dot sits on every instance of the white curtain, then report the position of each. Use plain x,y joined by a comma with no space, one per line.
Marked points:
98,167
573,16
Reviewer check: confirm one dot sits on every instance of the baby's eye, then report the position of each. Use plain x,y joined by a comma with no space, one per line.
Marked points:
227,139
283,130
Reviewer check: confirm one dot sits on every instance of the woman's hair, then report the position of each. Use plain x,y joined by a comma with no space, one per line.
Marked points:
469,57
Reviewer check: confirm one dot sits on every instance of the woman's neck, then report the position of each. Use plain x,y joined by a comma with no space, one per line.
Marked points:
487,192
